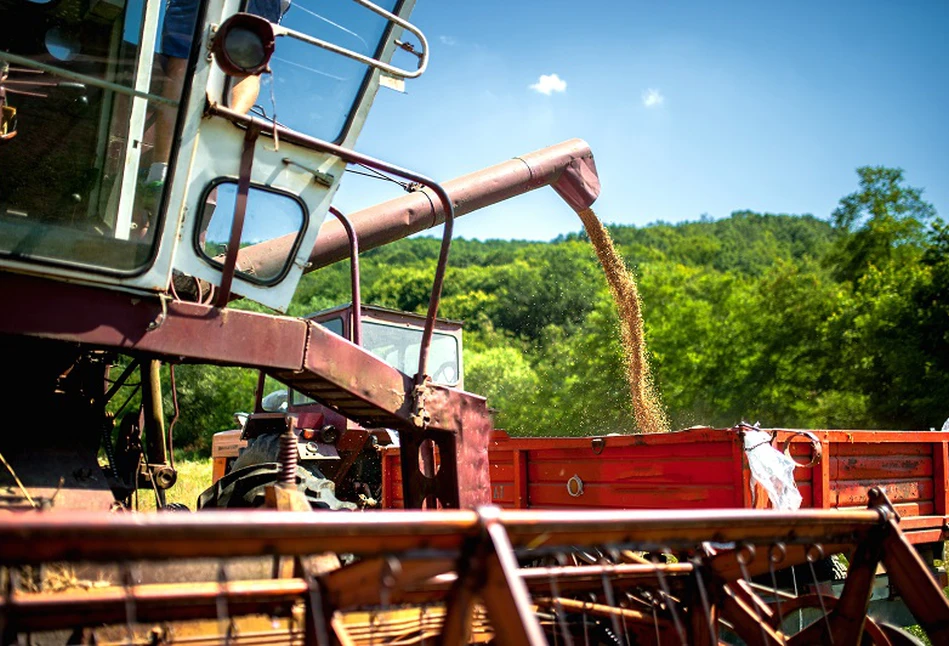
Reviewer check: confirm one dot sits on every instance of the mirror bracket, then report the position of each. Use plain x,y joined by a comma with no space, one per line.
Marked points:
240,210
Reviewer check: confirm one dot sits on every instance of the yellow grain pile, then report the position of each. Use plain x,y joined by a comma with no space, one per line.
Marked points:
650,417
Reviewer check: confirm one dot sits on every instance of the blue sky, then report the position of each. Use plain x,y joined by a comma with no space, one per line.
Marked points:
690,108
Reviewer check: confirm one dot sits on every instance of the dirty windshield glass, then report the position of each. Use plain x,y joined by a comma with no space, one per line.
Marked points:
83,123
314,90
399,347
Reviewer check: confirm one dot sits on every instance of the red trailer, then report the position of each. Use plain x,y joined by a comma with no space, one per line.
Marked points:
707,468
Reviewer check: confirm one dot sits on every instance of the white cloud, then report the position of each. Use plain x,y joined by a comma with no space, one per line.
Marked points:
652,98
549,83
448,40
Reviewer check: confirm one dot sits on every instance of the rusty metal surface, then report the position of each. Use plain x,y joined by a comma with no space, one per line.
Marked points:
463,566
154,603
401,217
171,329
704,468
31,536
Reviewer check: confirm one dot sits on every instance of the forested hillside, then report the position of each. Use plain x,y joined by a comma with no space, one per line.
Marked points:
797,321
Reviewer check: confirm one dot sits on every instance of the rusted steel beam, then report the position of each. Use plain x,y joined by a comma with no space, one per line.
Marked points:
725,566
812,634
462,596
746,593
848,618
173,331
83,536
25,612
301,354
746,622
463,479
505,596
32,537
357,383
360,584
570,580
670,527
589,578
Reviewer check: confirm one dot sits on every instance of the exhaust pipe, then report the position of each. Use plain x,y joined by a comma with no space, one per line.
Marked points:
567,167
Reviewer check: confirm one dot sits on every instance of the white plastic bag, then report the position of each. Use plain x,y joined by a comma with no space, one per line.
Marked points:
773,470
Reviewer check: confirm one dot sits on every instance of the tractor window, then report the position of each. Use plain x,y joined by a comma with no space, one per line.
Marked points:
399,347
84,103
334,325
313,90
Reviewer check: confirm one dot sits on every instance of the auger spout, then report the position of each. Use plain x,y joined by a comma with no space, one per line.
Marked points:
567,167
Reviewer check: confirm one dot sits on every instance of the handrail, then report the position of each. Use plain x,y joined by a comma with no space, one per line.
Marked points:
280,30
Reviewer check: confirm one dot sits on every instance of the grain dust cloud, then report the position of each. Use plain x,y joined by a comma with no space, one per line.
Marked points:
650,417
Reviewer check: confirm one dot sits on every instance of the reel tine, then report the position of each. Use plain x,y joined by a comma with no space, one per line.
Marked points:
129,602
745,554
422,611
316,605
654,602
558,609
776,555
815,553
614,555
223,614
610,597
8,586
703,595
670,602
586,627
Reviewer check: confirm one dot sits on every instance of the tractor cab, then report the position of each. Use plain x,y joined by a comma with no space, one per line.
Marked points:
148,140
339,448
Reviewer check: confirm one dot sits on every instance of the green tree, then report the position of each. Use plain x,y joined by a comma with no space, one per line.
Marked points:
883,221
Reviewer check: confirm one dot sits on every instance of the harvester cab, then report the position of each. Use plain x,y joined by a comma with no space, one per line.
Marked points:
147,139
329,446
141,153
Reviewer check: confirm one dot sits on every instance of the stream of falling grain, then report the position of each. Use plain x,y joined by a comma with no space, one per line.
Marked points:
650,417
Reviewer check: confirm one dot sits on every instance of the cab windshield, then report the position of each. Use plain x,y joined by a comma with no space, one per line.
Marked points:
312,90
399,347
90,96
81,92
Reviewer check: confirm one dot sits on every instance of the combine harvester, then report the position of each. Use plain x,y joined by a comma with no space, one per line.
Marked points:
112,263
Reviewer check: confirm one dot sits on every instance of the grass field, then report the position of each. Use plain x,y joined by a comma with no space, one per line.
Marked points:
194,476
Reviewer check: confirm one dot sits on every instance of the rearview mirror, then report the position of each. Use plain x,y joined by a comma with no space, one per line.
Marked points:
270,214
